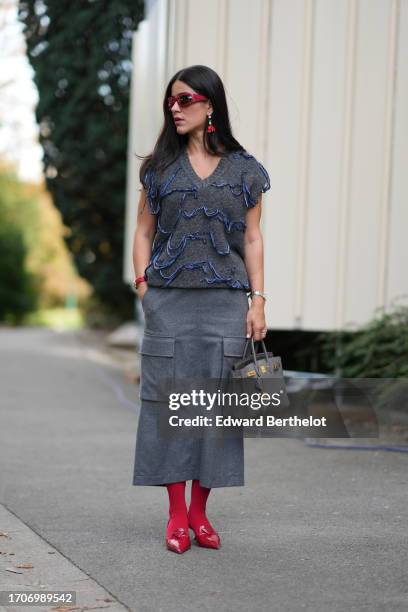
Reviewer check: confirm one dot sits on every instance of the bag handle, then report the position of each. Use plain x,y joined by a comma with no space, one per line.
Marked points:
253,349
259,381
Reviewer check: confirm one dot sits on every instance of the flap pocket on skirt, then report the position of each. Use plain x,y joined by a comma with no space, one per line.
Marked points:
234,346
233,349
156,367
162,346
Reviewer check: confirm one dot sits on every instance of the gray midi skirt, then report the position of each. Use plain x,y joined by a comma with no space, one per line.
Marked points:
196,333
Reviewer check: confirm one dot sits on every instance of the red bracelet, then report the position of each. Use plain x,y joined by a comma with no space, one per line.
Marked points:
139,280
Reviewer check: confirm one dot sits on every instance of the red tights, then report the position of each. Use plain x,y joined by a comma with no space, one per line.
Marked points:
178,514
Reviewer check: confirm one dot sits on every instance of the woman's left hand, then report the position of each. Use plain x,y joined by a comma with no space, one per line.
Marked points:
256,324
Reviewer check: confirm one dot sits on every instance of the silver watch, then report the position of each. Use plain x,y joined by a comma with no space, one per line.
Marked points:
261,293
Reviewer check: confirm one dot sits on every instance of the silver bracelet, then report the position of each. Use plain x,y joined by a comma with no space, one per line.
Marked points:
261,293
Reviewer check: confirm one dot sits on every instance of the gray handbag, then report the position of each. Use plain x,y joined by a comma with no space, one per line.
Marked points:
262,371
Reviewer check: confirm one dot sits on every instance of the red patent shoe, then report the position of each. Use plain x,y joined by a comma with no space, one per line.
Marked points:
178,539
206,537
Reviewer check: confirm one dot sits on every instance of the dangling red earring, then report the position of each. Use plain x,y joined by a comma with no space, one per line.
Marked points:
210,126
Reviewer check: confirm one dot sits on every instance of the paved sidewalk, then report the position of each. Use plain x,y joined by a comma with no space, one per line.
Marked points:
49,571
313,529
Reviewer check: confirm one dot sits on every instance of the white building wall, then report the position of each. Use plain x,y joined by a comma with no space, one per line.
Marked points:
318,92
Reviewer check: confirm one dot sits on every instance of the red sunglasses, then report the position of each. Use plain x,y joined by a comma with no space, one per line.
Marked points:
185,99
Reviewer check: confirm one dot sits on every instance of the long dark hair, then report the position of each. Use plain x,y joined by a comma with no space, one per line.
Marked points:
169,145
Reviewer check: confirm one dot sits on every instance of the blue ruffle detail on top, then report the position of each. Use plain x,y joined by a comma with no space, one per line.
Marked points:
249,199
155,193
218,214
174,252
152,191
208,267
165,248
229,225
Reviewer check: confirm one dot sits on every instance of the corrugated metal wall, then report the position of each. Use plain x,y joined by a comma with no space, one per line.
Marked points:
318,92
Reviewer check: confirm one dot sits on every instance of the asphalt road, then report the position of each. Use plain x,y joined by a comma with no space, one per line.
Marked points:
313,529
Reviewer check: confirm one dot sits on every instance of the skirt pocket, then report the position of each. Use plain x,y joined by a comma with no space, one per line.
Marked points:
233,347
144,297
156,367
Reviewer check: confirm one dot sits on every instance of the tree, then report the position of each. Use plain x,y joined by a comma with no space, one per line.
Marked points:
19,286
80,53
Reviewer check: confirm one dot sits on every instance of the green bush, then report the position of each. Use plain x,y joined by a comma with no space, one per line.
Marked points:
376,350
18,291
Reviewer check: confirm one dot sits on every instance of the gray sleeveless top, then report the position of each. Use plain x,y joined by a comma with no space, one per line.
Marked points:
199,240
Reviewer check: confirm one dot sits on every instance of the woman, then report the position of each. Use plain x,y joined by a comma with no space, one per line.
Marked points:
197,254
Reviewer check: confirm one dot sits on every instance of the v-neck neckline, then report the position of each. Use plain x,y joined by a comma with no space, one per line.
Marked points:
193,174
